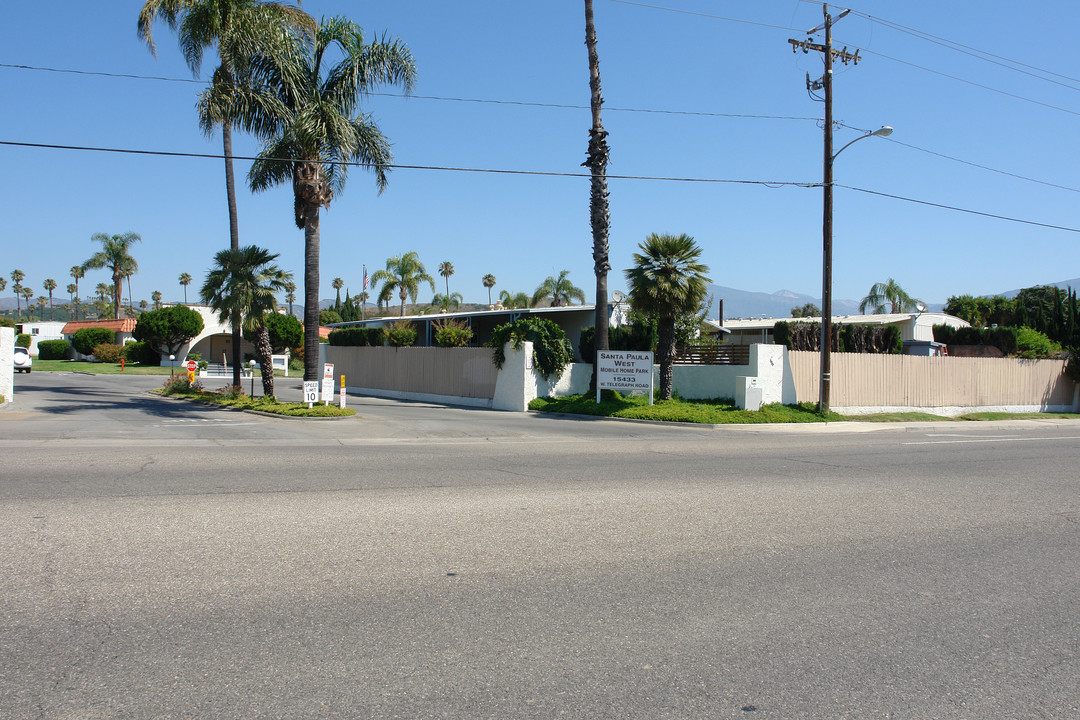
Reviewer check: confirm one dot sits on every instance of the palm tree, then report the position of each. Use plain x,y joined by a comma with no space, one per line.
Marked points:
517,300
403,274
318,130
185,280
77,273
361,302
156,297
667,281
72,291
17,277
143,305
888,293
243,286
559,289
489,282
445,302
41,304
290,294
337,284
115,255
239,29
49,285
596,161
28,295
446,269
3,284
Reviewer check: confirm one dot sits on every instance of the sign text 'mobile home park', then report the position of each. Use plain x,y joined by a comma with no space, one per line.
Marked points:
624,370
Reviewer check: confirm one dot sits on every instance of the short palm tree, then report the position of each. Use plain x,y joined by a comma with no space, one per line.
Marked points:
337,284
317,131
446,302
888,294
489,282
361,302
185,280
49,285
667,281
243,285
290,294
28,295
403,274
156,297
143,305
513,301
77,273
41,307
115,254
446,269
559,289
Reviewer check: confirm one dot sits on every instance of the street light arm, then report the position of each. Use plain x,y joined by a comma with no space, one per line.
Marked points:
883,131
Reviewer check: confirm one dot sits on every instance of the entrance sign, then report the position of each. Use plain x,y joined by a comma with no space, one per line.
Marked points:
311,392
624,370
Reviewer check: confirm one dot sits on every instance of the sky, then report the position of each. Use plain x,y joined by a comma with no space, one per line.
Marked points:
708,91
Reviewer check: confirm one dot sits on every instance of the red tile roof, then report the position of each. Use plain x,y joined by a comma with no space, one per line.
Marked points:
123,325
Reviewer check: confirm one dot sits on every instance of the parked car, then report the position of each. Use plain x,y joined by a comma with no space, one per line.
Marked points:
23,361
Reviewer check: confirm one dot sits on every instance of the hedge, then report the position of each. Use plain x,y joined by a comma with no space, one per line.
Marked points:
107,352
22,340
881,339
53,349
358,337
1003,338
84,340
140,352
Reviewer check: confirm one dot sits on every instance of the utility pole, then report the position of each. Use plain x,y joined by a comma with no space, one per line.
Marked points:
825,84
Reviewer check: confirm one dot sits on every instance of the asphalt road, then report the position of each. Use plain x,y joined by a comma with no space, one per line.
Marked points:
166,560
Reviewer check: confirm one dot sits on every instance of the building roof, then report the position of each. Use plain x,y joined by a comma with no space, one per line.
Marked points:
123,325
498,310
878,319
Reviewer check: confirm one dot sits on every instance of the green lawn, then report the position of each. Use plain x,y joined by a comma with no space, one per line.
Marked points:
180,388
723,412
97,368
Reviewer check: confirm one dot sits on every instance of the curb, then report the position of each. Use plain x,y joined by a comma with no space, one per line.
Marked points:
263,413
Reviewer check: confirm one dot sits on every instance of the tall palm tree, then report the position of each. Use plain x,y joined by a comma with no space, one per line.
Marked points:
77,273
239,29
596,161
337,284
115,254
41,304
243,285
17,277
446,269
49,285
403,274
667,281
28,295
489,282
559,289
888,293
185,280
290,294
319,129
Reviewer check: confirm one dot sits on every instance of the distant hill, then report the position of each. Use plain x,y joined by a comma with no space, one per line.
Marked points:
746,304
1064,284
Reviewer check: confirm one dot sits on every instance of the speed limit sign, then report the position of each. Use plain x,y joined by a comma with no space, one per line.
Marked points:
311,391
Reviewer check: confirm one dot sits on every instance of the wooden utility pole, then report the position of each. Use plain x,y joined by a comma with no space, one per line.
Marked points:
825,84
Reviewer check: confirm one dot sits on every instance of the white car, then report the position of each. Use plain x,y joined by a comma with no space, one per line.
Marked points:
23,361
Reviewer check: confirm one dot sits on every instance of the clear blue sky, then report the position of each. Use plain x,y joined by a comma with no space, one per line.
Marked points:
523,228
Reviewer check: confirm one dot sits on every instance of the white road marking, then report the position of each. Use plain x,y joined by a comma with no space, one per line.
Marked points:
989,440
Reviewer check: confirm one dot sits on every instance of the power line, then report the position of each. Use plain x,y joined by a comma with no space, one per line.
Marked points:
520,103
706,15
538,173
496,171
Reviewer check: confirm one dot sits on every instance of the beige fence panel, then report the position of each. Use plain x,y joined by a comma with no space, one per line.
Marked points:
867,380
454,372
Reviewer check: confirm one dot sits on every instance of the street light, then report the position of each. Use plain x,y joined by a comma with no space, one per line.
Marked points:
252,363
826,252
172,365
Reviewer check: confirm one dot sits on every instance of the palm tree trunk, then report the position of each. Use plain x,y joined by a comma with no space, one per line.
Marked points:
234,236
266,362
665,348
118,292
311,290
599,212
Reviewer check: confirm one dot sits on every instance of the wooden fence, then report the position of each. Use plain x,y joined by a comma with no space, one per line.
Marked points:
907,381
713,355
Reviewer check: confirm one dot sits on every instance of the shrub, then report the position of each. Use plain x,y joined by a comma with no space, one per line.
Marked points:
1003,338
168,328
107,352
452,333
1034,344
845,338
349,337
551,350
401,333
1072,367
179,383
53,349
329,317
284,331
140,352
640,336
84,340
22,340
231,392
7,322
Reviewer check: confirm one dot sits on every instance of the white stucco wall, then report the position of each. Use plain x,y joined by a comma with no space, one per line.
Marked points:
7,360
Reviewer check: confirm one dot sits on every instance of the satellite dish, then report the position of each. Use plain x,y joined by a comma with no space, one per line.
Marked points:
921,307
619,297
